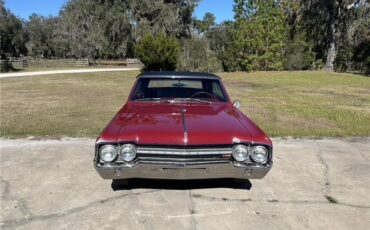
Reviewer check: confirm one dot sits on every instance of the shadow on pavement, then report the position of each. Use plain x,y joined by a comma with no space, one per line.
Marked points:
180,184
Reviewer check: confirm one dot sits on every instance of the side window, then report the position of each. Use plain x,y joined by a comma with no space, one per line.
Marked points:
217,89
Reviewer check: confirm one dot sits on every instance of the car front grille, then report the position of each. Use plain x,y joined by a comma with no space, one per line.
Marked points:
184,152
183,155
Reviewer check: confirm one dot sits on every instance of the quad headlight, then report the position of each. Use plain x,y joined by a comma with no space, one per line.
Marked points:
259,153
108,153
128,152
240,152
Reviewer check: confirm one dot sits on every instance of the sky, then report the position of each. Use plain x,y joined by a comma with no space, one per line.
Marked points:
222,9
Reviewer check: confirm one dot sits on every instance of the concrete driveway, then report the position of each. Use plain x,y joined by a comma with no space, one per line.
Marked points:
314,184
66,71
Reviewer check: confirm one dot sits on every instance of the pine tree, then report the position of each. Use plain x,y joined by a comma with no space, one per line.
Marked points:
240,10
260,36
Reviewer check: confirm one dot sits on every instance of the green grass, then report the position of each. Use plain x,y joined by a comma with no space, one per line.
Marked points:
304,104
296,104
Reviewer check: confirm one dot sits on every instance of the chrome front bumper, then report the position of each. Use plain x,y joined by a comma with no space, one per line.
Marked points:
183,171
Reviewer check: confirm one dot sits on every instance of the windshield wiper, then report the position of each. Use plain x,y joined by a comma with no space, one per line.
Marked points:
156,99
192,99
150,99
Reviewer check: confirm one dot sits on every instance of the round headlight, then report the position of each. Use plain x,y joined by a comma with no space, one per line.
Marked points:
108,153
240,153
128,152
259,153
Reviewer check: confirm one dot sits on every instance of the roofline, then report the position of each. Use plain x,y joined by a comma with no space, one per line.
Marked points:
177,75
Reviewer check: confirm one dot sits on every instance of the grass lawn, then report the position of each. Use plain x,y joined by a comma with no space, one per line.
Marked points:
297,104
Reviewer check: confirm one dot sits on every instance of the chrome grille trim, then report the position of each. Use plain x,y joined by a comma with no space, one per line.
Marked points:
183,163
186,159
183,152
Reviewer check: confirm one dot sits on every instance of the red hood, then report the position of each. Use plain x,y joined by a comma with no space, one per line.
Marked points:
163,124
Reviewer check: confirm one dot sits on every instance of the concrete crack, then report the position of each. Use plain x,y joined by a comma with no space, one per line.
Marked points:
5,188
359,152
192,210
20,201
12,224
212,198
327,185
170,207
303,202
320,202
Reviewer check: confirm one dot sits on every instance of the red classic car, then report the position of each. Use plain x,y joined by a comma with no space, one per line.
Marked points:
181,126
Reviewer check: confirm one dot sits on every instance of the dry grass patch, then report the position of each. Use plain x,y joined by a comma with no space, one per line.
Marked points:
304,104
298,104
76,105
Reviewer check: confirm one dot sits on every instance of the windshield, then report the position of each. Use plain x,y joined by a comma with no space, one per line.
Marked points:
151,89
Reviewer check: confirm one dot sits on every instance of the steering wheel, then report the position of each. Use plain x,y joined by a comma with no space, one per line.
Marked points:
202,92
139,95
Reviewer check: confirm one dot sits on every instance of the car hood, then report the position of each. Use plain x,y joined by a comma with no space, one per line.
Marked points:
185,124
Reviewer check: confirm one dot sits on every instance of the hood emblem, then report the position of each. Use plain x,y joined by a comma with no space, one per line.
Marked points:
183,112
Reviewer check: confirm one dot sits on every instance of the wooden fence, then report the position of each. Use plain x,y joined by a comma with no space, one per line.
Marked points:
58,62
5,66
128,62
134,62
20,63
13,63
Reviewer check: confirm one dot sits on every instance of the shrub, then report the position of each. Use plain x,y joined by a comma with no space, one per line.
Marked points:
158,52
197,56
299,54
361,46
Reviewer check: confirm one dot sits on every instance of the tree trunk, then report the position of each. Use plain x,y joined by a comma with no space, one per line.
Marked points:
332,51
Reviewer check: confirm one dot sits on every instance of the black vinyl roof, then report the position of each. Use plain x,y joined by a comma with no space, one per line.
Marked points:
173,75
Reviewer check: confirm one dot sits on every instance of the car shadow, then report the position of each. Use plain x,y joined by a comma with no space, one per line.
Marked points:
130,184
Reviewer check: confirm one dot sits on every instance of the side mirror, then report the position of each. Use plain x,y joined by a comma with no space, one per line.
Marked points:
236,104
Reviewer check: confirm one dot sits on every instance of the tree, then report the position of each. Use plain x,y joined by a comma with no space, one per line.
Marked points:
361,46
82,28
196,55
118,30
111,28
158,52
172,17
298,48
221,43
204,26
260,36
12,34
299,54
327,23
240,10
41,33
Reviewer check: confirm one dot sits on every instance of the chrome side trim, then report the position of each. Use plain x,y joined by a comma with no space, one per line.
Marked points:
183,152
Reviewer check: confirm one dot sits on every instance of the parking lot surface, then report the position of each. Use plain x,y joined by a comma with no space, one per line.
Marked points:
314,184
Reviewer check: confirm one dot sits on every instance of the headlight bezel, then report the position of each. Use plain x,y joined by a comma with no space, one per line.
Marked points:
121,154
239,147
114,150
253,153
